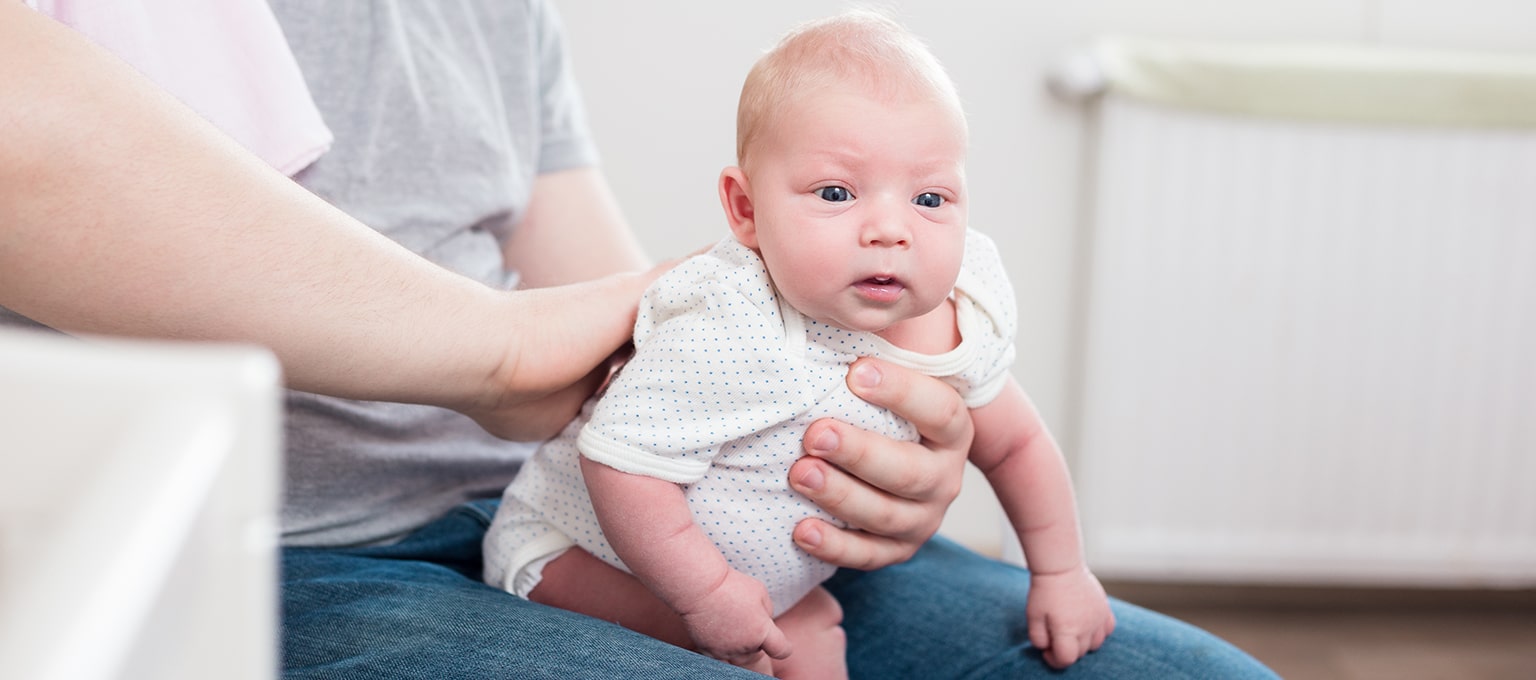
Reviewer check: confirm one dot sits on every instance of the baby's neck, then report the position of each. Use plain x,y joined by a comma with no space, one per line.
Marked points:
936,332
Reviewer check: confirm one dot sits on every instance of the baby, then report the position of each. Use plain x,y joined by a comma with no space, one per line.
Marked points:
847,211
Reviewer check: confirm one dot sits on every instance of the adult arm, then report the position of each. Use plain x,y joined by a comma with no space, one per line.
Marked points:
122,212
572,231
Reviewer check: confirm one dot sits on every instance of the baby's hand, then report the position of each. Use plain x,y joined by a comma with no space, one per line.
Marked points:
734,623
1068,615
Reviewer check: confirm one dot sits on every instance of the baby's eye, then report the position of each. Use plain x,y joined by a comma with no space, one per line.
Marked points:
929,200
833,194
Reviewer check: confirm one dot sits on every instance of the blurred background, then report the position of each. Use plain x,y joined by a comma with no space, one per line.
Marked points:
1274,262
1285,358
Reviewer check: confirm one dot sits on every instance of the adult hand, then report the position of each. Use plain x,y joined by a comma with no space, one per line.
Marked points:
537,418
895,492
570,340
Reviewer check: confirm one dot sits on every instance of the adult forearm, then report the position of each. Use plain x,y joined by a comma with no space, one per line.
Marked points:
122,212
572,231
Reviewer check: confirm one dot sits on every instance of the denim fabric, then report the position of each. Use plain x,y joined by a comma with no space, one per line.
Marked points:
949,613
417,609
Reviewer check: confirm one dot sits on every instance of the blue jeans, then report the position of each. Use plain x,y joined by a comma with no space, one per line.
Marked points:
417,609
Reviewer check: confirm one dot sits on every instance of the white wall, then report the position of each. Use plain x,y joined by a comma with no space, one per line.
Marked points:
661,80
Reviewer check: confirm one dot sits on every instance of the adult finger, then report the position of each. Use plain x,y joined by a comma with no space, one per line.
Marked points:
906,470
931,405
867,504
850,548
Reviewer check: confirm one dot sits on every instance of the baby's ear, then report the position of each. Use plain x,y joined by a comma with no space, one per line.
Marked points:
736,198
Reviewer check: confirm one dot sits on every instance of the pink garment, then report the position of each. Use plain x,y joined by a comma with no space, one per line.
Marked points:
227,59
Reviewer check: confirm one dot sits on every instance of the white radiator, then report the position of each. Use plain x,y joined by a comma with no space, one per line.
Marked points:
1309,349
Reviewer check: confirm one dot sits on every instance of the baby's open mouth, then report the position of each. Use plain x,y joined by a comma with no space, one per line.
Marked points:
881,288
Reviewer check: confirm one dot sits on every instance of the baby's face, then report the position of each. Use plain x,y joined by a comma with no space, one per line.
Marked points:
860,205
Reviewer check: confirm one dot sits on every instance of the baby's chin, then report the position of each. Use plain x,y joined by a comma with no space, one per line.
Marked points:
856,324
872,318
876,323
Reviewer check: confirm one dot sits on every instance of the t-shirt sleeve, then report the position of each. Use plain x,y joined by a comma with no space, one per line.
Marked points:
565,141
993,320
710,366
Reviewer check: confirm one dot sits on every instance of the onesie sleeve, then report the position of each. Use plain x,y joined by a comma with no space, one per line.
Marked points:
710,366
990,315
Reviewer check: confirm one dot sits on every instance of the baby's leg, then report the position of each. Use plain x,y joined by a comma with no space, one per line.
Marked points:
814,628
576,581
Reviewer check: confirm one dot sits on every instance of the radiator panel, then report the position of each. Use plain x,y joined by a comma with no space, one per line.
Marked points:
1309,351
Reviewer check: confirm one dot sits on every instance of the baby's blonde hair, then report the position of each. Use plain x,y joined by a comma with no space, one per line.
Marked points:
861,45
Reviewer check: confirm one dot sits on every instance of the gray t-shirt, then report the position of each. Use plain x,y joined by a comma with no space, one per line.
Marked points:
443,114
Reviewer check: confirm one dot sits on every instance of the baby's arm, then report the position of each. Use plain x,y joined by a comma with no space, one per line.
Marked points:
1068,612
728,614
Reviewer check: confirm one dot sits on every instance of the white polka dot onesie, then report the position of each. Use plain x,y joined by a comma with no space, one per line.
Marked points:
725,379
